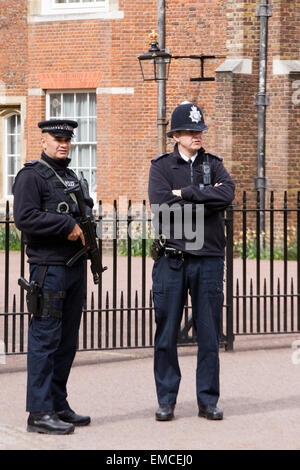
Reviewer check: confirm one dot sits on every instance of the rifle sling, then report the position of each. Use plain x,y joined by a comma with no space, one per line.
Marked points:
60,179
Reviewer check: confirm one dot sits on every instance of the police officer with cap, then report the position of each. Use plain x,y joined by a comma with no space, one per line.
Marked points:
47,215
191,260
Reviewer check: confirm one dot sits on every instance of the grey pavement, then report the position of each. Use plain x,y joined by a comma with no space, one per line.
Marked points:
260,396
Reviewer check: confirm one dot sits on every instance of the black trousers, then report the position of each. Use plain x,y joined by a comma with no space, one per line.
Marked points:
52,342
203,278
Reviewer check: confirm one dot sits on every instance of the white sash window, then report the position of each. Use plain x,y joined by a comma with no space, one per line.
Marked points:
68,10
80,107
73,6
12,151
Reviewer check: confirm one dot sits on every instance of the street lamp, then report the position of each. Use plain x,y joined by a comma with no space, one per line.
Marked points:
155,65
151,61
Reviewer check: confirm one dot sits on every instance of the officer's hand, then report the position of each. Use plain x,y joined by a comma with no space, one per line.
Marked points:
177,192
75,234
218,184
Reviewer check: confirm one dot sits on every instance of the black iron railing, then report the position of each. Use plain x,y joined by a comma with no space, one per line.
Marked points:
262,279
264,295
117,313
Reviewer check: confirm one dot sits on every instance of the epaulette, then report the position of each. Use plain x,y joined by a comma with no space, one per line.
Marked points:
41,169
214,156
159,157
31,162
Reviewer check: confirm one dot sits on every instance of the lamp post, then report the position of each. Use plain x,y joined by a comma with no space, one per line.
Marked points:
155,66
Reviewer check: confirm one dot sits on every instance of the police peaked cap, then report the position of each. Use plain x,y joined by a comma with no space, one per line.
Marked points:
59,127
187,117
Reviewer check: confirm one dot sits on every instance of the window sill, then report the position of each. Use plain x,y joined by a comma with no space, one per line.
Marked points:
105,15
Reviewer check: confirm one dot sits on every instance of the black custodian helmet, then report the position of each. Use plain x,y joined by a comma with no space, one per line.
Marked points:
187,117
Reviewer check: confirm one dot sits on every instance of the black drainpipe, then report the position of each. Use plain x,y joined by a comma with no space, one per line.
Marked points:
263,11
161,84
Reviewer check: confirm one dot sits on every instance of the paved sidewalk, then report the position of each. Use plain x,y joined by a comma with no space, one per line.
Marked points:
260,397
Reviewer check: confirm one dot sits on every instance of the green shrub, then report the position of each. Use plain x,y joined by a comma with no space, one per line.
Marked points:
14,238
136,241
265,248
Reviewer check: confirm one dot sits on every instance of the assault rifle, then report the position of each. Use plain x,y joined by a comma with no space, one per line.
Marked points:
87,225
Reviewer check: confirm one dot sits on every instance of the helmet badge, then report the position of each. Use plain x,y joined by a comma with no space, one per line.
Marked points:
195,114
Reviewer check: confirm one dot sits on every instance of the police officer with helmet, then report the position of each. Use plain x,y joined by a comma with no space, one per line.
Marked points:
188,178
48,217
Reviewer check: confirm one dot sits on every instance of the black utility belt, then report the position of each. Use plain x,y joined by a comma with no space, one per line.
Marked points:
173,253
157,250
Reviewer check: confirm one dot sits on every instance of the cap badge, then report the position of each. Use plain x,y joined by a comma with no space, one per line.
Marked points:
195,114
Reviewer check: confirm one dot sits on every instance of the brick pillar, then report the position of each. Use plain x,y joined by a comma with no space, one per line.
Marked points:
35,113
236,85
283,115
236,124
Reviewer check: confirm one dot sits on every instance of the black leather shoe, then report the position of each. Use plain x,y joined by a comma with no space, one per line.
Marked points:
165,413
210,412
48,423
69,416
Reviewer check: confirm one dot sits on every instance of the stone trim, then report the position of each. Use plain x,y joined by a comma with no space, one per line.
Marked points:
115,91
285,67
236,66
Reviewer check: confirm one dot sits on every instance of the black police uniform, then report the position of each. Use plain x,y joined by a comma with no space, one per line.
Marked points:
180,270
47,215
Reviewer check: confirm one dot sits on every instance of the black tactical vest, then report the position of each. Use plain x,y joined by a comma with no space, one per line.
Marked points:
55,200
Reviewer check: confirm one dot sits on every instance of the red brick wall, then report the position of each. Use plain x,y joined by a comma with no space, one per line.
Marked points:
127,128
103,53
195,27
283,124
13,46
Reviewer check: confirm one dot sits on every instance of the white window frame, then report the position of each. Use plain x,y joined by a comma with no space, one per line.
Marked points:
50,7
5,159
48,116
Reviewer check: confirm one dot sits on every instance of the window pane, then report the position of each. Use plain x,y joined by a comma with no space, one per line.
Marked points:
84,156
74,157
12,125
82,131
92,130
12,150
92,111
93,156
59,2
55,105
11,145
93,184
10,182
81,104
68,105
11,166
18,126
